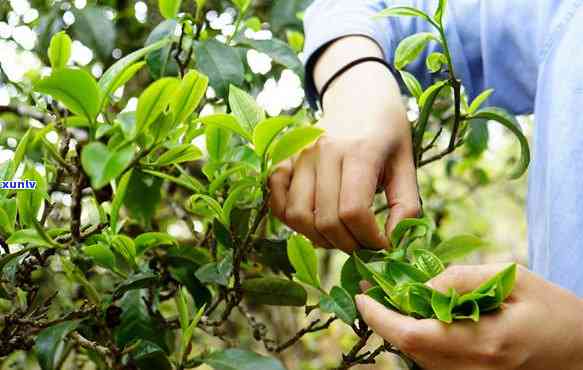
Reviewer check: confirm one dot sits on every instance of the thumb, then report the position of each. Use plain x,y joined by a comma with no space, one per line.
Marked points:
400,182
464,278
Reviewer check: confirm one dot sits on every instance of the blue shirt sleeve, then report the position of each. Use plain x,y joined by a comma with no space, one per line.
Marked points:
491,44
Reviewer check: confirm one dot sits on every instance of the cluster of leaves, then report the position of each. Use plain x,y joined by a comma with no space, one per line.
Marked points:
144,297
399,278
465,115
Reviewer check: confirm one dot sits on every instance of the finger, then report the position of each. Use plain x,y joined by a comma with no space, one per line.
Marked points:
401,188
327,219
279,183
299,210
359,181
408,334
464,278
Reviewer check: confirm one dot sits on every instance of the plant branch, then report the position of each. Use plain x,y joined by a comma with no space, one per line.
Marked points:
312,328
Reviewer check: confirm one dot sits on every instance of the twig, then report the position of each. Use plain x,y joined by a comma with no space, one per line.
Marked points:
312,328
86,343
353,357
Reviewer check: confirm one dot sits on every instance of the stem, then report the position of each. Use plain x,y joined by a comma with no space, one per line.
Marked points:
313,327
237,25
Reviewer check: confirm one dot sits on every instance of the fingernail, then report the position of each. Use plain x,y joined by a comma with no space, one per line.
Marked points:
359,298
364,286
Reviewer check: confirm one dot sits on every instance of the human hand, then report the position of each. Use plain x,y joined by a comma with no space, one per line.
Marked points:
540,326
327,191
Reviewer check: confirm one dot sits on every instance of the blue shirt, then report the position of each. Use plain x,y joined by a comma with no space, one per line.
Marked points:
531,53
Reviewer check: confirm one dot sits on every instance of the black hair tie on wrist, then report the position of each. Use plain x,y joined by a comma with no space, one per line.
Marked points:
342,70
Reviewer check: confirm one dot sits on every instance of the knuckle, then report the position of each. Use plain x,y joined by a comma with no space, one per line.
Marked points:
298,216
352,213
494,352
326,224
412,210
410,339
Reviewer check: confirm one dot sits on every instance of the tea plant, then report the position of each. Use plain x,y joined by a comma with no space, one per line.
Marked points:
143,298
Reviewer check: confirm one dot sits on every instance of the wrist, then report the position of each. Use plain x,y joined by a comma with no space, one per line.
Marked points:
368,96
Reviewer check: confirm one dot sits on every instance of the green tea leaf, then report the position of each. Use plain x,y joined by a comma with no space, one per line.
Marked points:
101,255
75,88
411,47
169,8
402,272
428,262
6,224
187,183
479,100
95,29
436,61
221,63
179,154
228,122
403,11
340,303
302,256
245,108
239,359
49,341
181,305
293,142
210,202
153,101
149,355
123,70
421,225
235,194
266,132
217,273
242,5
138,281
441,8
143,200
118,200
149,240
101,165
59,50
160,61
350,277
29,201
125,247
189,331
469,310
19,154
274,292
458,247
443,304
412,84
217,142
7,258
501,116
189,95
27,236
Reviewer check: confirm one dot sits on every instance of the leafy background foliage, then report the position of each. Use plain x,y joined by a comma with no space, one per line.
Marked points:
147,243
